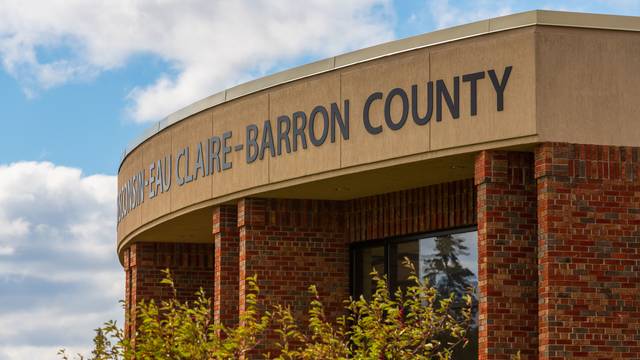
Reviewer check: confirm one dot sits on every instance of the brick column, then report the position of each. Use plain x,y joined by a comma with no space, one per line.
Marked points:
190,264
225,234
506,196
291,244
589,251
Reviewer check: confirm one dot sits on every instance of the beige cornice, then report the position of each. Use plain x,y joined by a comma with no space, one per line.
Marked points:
529,18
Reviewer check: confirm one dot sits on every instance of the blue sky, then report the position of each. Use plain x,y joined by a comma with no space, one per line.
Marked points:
82,124
85,121
80,79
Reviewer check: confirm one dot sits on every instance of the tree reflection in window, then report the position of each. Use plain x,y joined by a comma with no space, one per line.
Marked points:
450,268
444,267
449,261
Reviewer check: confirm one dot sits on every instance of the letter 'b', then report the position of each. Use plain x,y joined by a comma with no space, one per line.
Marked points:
252,143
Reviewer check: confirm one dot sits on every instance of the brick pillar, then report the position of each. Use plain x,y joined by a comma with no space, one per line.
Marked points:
589,251
225,234
291,244
190,264
129,303
507,240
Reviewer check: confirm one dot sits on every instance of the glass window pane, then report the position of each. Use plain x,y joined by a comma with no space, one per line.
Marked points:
366,260
448,261
399,272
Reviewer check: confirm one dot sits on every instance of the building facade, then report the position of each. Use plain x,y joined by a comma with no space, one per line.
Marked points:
512,142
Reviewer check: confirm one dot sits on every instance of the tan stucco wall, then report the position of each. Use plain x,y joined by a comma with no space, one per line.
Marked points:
588,86
567,84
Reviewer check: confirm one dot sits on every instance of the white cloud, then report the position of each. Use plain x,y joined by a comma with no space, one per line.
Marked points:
59,274
14,228
444,14
209,45
6,250
36,352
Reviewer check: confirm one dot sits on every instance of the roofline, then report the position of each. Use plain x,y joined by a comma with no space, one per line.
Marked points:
483,27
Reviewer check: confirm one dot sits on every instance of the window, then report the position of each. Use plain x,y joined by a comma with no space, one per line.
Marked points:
448,259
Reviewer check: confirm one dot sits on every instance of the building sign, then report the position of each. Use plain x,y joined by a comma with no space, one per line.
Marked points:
290,133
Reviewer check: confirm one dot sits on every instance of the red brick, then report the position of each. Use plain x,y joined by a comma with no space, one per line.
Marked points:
586,226
227,249
191,266
507,239
289,245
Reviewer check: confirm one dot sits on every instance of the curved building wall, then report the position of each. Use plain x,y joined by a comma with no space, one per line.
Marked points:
506,82
521,130
414,106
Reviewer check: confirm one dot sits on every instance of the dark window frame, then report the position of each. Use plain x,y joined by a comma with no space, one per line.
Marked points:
392,240
470,352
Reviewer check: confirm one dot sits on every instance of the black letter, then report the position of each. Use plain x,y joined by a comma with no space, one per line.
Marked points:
283,133
152,180
387,109
199,162
453,105
188,177
180,179
141,187
267,140
473,79
214,154
252,143
367,123
337,117
414,104
166,185
325,127
298,131
499,87
158,182
226,149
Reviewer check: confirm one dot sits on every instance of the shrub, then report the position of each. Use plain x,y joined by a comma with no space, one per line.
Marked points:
412,323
